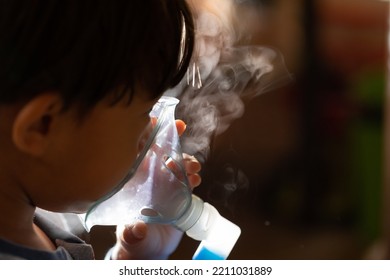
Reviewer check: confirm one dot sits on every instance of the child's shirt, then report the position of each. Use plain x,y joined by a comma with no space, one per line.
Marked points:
68,245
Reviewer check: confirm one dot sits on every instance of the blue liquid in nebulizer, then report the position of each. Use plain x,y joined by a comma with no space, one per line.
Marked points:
205,254
156,190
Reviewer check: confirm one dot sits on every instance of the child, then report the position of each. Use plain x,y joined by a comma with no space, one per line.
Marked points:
77,81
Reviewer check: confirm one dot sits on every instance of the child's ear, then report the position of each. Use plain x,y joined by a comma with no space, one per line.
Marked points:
33,123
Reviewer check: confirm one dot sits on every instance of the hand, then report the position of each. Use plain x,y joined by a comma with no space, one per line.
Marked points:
154,241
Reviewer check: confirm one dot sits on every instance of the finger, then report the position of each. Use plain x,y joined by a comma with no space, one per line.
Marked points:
192,167
180,126
194,180
191,164
130,240
134,233
153,121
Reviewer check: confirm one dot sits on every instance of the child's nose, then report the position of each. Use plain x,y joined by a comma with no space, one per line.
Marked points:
145,136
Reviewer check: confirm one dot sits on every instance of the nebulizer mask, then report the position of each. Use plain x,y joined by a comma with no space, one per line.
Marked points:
157,191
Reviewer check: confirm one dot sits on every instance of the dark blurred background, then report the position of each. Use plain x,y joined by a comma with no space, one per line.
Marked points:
306,161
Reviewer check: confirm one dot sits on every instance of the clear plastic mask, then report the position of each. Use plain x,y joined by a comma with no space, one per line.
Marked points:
158,190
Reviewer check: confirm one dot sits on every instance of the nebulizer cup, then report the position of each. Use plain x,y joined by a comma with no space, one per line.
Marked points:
156,190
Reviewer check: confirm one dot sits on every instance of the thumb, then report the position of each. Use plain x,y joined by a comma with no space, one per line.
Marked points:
129,241
134,233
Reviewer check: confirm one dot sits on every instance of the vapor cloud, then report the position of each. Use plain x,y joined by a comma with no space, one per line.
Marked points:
222,75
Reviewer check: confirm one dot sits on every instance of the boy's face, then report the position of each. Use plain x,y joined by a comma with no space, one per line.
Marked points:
87,160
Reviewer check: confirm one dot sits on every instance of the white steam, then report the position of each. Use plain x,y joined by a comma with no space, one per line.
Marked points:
221,75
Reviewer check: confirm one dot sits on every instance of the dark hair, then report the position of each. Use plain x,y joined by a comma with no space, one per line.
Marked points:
86,49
